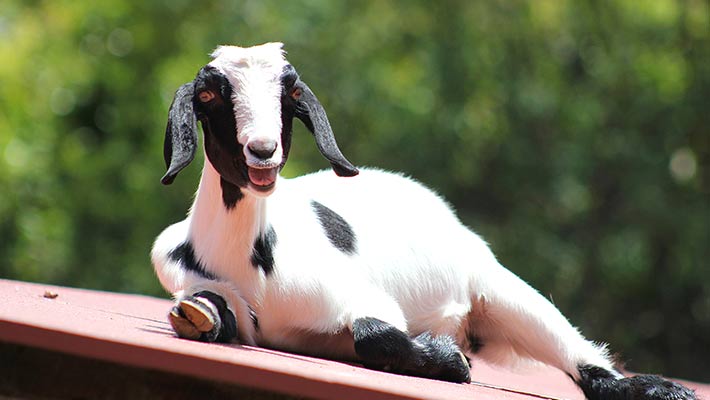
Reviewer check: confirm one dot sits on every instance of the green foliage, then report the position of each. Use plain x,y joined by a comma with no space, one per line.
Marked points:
572,135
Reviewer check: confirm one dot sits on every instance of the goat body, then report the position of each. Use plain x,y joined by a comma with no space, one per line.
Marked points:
363,265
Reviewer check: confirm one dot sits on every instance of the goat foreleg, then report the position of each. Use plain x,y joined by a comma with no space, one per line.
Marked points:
206,307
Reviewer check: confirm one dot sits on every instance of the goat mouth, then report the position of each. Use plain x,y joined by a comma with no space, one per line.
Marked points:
263,179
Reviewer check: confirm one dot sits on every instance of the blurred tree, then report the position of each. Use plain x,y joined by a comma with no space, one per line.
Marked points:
572,135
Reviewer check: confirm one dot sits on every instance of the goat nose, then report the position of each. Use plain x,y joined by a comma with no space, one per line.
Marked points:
262,149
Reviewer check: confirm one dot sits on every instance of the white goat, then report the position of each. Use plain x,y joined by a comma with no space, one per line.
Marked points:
373,267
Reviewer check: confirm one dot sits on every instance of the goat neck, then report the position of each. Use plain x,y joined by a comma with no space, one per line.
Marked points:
223,236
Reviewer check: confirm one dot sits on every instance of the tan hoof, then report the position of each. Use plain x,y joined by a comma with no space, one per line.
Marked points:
183,327
199,312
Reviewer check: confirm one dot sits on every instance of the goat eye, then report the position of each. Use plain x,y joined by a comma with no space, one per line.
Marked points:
296,93
206,95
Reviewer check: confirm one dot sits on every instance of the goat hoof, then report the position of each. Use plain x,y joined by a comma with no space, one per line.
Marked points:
200,313
196,318
459,370
599,384
204,316
182,326
443,359
652,387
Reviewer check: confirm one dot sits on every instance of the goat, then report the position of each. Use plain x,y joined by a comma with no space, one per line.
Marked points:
366,265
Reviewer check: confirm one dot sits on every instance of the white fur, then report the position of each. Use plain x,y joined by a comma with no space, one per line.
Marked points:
254,74
416,266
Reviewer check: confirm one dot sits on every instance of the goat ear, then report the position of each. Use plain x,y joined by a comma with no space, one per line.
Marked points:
180,134
312,114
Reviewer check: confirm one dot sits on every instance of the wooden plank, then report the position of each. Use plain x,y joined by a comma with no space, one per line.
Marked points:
132,330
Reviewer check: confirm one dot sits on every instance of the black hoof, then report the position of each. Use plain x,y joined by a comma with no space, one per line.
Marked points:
442,359
599,384
203,316
653,387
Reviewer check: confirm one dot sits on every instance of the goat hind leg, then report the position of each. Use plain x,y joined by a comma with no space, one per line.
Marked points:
384,347
510,316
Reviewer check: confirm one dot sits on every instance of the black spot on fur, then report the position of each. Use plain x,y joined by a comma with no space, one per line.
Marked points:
231,194
338,231
382,346
600,384
262,255
185,255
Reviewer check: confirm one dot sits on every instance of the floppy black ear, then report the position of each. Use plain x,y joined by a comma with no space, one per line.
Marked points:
312,114
180,134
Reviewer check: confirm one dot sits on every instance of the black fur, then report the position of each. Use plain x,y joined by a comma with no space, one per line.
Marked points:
185,255
338,231
599,384
262,255
230,194
180,134
220,128
309,110
382,346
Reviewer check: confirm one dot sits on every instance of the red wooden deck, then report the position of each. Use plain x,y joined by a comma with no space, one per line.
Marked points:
132,330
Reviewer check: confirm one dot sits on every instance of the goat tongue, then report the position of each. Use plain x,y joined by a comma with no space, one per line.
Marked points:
263,177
